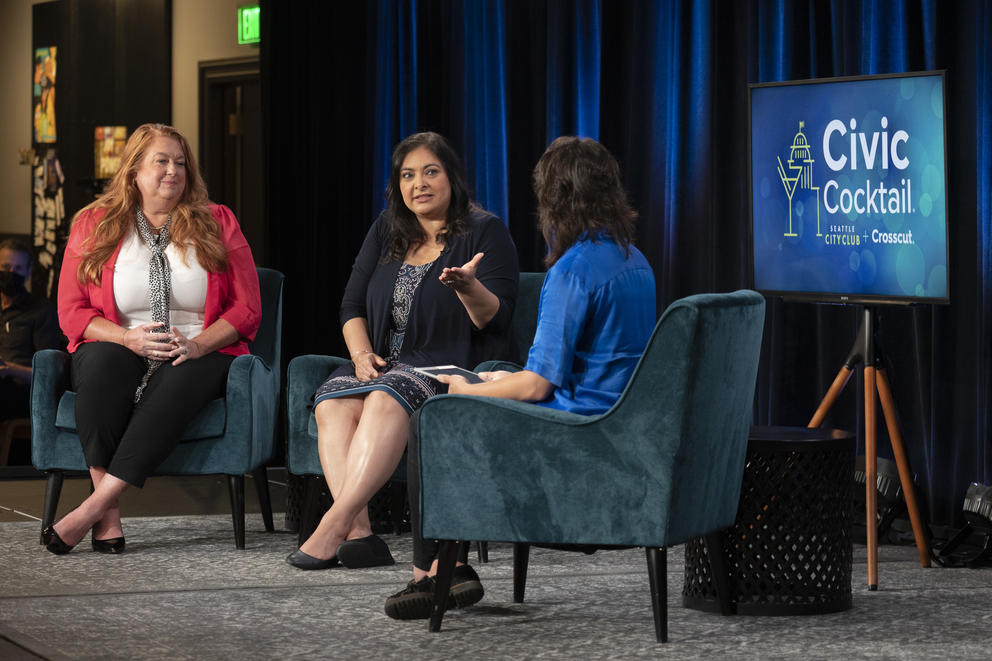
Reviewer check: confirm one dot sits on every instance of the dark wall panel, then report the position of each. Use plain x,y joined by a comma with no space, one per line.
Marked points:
114,68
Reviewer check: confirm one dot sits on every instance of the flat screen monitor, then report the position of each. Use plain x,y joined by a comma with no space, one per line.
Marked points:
848,189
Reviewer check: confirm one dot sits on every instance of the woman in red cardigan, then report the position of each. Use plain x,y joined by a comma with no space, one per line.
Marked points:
157,294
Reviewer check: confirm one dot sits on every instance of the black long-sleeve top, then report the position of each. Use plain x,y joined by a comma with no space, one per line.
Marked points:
439,330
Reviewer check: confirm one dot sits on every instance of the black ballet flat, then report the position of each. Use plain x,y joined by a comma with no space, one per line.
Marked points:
53,542
114,545
301,560
364,552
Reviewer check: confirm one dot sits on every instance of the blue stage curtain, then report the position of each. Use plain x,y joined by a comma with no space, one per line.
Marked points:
395,101
663,84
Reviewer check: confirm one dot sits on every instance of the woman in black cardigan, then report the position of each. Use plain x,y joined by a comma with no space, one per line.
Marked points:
434,284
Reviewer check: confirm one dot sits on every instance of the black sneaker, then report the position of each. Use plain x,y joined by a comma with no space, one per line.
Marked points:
414,602
466,588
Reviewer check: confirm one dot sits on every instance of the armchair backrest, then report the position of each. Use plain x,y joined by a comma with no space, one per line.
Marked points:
525,312
268,340
698,373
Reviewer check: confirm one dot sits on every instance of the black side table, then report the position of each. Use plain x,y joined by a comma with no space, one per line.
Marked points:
789,550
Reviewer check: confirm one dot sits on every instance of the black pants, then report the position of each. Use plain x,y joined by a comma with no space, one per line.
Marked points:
424,550
130,440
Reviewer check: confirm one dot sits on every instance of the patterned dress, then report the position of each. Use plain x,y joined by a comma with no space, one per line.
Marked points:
409,388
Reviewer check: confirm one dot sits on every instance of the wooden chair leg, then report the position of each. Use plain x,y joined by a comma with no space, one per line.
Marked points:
261,479
719,572
447,555
236,489
53,491
658,578
521,556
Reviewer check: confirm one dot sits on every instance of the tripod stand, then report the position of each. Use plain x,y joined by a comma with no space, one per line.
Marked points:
864,352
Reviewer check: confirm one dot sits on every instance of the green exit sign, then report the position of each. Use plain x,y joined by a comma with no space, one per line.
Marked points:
248,27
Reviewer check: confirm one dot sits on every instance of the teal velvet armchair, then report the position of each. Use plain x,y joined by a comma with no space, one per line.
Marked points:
663,465
306,373
232,435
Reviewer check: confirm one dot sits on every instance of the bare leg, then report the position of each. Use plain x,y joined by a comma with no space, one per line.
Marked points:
376,448
74,525
109,526
337,420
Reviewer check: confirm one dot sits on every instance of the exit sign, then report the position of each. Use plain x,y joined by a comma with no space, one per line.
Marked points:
248,27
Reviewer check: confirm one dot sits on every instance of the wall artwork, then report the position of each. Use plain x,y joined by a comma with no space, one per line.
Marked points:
44,94
108,146
50,227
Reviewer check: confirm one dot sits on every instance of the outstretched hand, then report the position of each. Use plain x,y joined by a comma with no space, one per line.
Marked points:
461,278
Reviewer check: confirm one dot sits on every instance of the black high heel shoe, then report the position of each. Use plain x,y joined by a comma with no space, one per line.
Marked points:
114,545
53,542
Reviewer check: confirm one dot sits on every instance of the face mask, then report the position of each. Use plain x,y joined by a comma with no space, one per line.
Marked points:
11,284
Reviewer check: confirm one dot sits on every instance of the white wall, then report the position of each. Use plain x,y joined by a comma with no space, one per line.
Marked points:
202,30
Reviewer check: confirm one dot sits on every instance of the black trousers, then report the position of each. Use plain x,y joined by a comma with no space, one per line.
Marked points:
130,440
424,550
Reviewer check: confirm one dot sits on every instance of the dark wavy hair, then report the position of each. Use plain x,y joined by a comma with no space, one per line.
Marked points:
578,188
404,230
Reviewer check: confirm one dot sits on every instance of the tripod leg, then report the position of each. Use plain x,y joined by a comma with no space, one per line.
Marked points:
828,400
905,475
871,479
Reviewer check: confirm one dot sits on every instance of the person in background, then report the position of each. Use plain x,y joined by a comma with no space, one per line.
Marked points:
434,283
27,324
158,293
595,316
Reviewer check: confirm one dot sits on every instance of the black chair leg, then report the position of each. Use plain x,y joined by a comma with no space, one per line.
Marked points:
521,556
447,555
397,505
308,512
261,478
483,548
53,491
658,578
719,573
236,489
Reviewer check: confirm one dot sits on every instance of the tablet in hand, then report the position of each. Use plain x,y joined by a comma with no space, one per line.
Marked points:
470,376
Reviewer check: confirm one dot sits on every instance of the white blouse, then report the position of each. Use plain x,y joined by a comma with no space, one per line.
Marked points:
189,286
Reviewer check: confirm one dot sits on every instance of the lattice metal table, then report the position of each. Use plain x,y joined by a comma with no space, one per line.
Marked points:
789,551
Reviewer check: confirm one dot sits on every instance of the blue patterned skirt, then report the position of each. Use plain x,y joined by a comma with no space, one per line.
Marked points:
411,389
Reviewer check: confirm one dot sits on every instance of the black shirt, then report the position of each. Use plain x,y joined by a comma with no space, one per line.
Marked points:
439,330
29,325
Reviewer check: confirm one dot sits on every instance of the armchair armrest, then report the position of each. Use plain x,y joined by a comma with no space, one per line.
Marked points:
49,379
303,377
252,405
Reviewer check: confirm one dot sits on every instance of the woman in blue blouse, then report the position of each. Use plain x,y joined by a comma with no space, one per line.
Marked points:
434,283
596,314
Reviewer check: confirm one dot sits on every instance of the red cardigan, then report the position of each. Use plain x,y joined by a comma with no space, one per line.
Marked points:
232,295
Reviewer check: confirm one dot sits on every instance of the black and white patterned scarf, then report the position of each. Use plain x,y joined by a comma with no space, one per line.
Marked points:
159,287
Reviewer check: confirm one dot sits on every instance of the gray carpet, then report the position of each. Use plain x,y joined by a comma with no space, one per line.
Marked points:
182,591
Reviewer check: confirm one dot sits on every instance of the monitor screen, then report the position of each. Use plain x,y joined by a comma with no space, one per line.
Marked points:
848,189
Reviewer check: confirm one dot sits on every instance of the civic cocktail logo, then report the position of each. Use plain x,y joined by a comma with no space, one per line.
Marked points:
868,200
799,174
